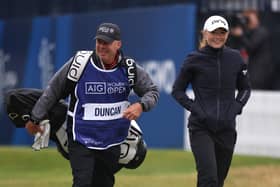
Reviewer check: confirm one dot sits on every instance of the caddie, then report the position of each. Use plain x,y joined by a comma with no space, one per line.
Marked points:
19,103
99,114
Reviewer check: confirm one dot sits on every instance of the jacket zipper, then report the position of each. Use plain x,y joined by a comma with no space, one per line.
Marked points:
219,87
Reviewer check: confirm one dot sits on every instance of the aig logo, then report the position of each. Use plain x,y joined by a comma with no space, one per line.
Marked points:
95,87
105,88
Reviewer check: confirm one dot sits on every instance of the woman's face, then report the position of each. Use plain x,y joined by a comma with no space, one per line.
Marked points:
216,38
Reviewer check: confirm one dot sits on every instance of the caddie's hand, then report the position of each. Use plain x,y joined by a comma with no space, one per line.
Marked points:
32,128
41,140
133,111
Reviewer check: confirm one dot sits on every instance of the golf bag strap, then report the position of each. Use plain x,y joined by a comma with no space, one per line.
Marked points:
78,65
81,58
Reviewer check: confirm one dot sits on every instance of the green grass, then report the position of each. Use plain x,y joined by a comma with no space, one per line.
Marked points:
22,167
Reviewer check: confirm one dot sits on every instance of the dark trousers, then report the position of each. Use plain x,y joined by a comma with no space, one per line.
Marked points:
93,168
213,154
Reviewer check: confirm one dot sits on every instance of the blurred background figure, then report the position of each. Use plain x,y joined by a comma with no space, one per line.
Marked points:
253,41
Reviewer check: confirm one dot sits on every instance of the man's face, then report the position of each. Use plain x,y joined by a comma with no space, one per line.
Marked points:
107,51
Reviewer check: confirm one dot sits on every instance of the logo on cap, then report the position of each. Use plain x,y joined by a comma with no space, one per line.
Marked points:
108,32
106,29
217,21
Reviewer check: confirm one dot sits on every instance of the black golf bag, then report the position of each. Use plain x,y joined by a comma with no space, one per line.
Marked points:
19,104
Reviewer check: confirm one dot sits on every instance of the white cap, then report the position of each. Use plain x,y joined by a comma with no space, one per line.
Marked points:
215,22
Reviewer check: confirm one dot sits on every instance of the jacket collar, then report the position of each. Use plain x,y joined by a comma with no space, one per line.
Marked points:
212,51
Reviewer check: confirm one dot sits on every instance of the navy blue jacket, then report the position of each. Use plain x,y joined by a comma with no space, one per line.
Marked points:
215,75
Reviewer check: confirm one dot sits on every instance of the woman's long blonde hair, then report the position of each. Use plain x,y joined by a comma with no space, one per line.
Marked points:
202,42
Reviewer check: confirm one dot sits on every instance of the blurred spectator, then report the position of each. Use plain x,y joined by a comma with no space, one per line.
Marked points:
252,39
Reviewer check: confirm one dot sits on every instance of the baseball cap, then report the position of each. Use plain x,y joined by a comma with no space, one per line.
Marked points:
108,32
215,22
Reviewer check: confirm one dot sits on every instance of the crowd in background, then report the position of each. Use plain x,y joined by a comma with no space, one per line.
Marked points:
253,40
